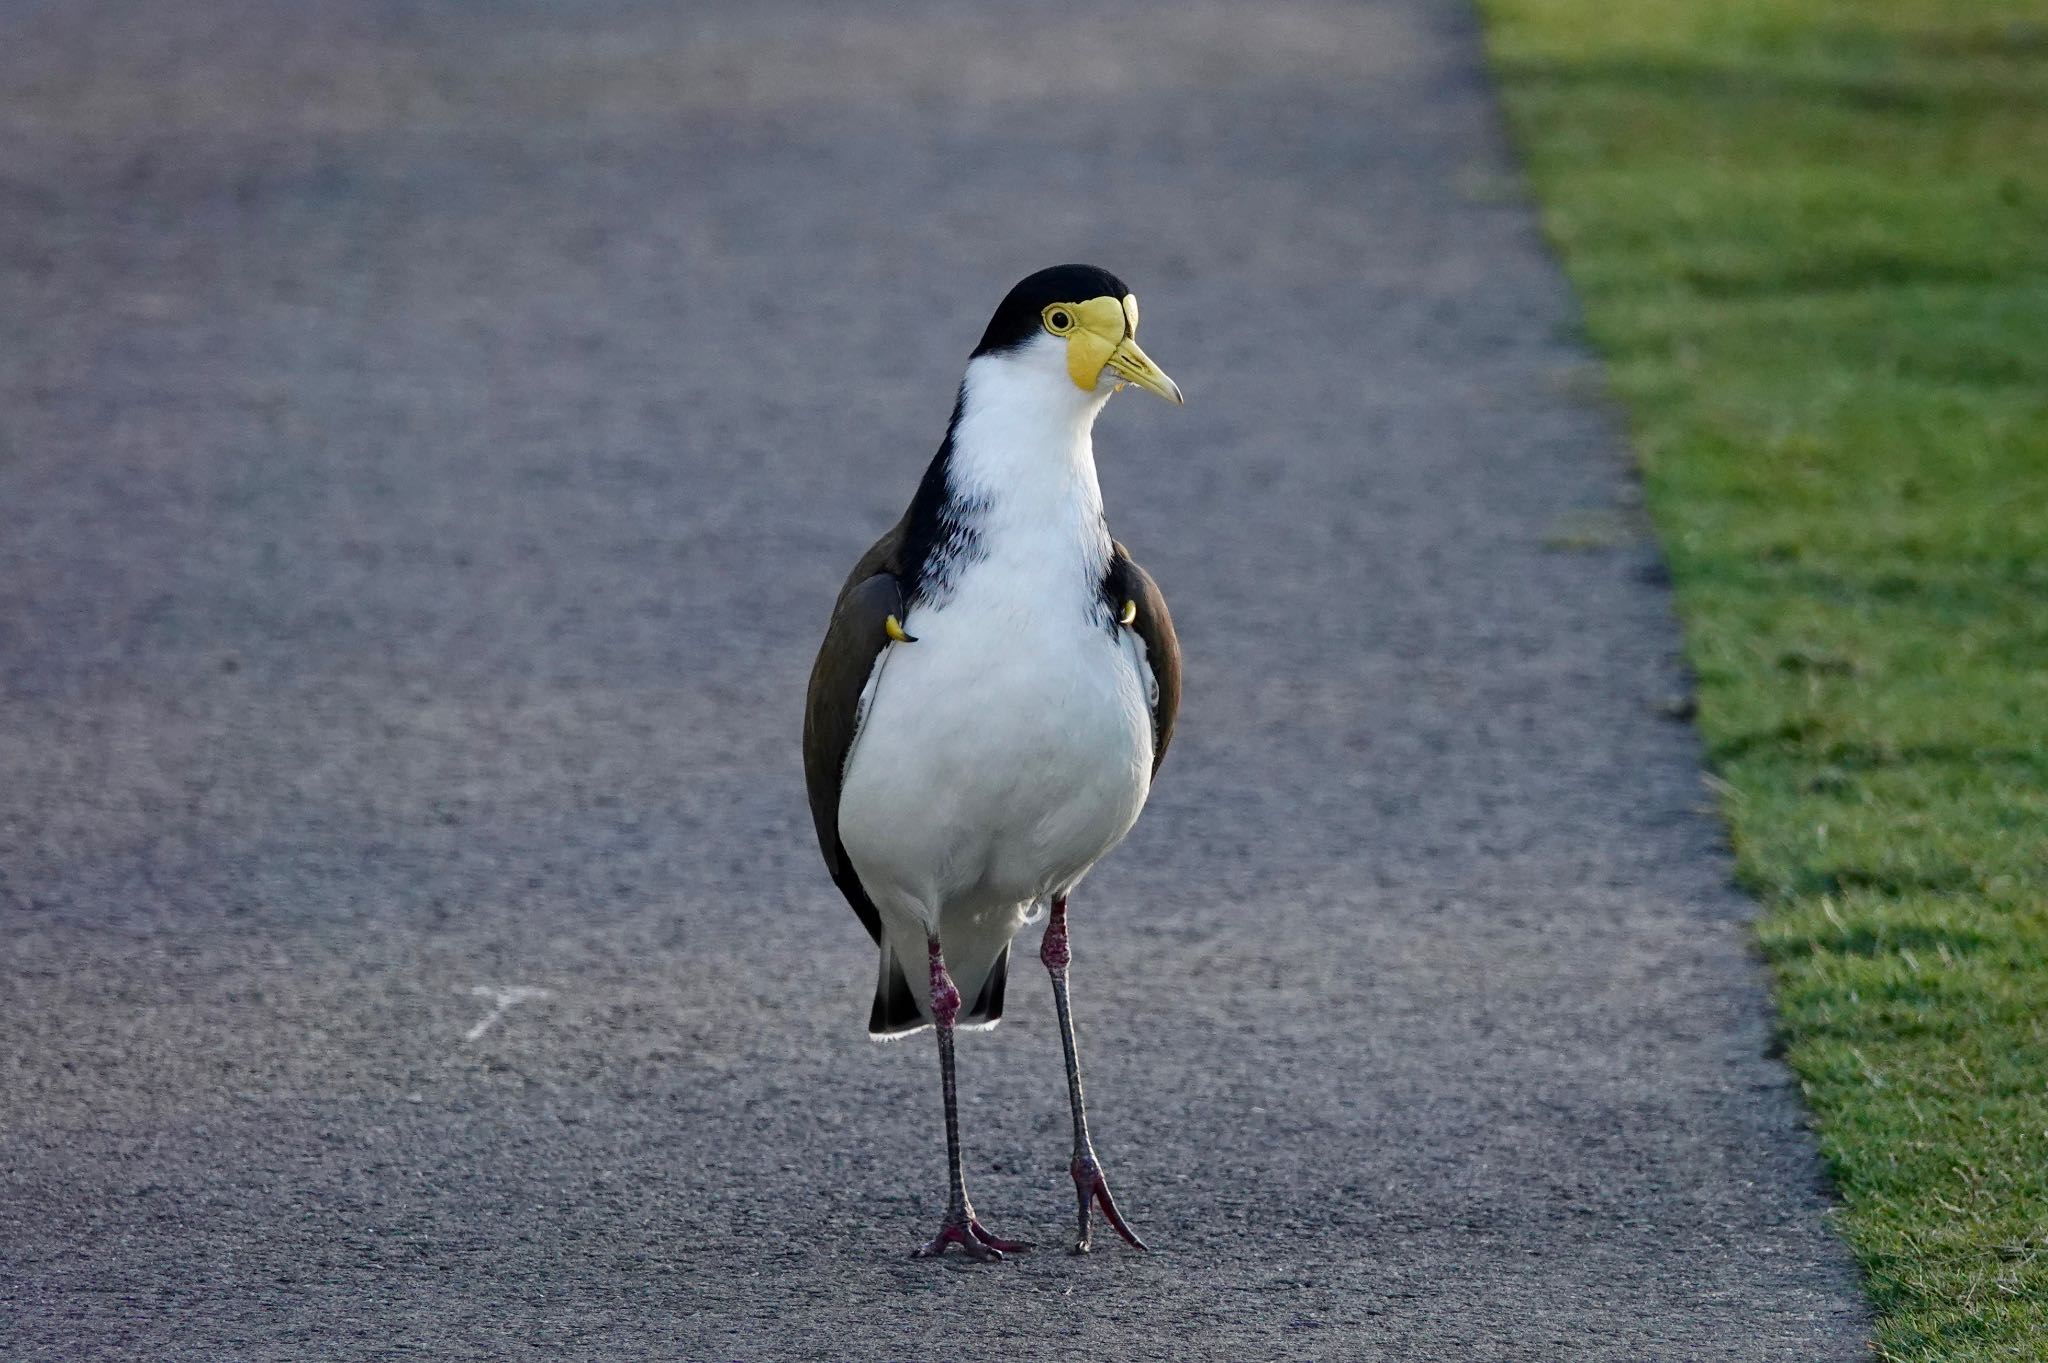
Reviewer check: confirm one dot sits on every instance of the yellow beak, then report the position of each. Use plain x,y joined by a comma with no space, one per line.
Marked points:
1133,365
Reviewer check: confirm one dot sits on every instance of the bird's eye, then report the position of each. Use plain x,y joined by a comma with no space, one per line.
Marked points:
1059,322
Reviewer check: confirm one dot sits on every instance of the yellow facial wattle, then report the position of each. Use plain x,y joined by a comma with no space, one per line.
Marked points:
1101,336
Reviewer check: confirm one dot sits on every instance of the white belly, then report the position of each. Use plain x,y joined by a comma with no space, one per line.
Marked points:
1001,756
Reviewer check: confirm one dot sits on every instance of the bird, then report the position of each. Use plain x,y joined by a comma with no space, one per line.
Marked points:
994,693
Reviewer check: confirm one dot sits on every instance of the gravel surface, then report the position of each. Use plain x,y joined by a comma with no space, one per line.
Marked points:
430,437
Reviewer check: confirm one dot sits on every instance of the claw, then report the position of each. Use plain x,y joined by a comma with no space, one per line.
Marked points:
956,1234
976,1241
996,1242
1091,1189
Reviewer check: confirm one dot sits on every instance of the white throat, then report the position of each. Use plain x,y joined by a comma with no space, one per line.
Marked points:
1024,457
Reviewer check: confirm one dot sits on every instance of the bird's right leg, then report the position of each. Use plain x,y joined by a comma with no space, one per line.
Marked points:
1090,1187
960,1228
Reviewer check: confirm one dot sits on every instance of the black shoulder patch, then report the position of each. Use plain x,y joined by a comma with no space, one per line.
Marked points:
941,533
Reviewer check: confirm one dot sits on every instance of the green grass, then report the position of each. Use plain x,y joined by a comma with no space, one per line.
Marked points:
1811,240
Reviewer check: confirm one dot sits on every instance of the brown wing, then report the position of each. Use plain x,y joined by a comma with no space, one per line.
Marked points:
855,638
1126,581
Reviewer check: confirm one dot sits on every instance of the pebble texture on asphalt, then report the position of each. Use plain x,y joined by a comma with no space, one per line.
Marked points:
430,437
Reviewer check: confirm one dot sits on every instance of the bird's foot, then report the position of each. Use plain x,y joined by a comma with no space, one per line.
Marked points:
975,1240
1093,1190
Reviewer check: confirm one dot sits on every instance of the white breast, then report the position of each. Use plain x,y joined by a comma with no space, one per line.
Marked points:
1001,755
1010,747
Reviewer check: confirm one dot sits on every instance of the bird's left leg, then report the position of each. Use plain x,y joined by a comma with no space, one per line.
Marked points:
1090,1188
960,1227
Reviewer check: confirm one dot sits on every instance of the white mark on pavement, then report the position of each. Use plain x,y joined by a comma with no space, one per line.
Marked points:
503,998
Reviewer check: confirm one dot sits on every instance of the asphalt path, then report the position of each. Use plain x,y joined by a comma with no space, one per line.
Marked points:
430,437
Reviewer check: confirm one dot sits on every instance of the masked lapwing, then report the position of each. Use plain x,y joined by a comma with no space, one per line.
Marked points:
993,696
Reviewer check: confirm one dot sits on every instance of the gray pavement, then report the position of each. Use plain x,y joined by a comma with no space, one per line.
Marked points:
430,436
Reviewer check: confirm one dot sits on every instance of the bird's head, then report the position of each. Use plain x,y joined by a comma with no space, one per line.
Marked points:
1078,321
